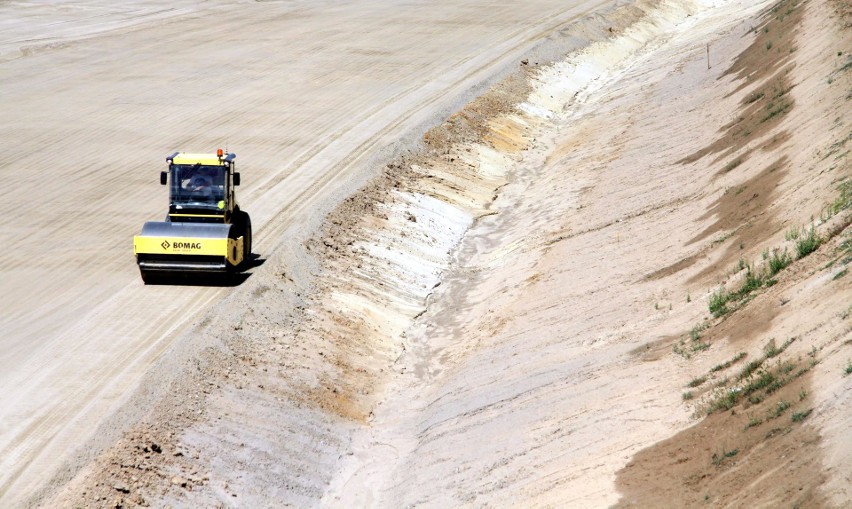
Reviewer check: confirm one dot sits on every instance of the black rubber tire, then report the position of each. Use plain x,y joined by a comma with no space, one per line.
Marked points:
246,239
242,227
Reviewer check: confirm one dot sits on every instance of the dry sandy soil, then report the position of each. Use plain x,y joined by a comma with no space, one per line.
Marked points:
617,276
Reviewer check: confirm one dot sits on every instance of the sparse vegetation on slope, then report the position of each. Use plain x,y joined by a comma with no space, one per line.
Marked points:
754,413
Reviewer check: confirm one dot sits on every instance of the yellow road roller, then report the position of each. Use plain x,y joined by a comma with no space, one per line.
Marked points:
205,231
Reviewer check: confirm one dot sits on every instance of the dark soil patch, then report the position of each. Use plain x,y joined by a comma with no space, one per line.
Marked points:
761,111
655,350
676,267
743,203
743,209
773,45
755,454
765,61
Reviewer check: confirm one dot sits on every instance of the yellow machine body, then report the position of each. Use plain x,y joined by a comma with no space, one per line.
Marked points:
205,231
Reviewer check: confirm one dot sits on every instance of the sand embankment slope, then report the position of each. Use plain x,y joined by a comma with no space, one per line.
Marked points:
574,329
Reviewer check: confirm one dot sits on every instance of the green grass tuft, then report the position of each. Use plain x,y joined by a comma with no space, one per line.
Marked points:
801,416
753,421
720,456
750,368
791,234
719,303
778,261
780,408
808,244
754,97
725,401
727,364
736,162
770,350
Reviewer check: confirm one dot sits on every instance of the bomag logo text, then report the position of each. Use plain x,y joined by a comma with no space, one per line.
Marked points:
187,245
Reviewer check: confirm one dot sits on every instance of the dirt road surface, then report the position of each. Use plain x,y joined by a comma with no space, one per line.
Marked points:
93,96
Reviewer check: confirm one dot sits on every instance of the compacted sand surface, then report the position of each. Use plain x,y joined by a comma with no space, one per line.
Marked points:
615,276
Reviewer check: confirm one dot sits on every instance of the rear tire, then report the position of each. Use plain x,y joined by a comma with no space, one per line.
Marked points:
243,223
246,240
